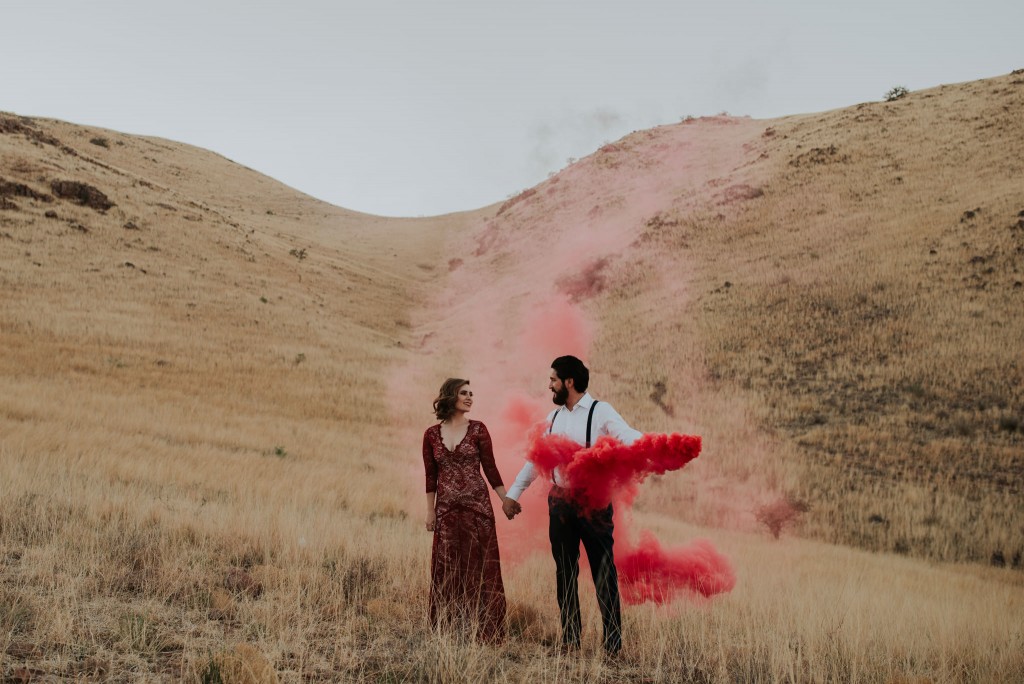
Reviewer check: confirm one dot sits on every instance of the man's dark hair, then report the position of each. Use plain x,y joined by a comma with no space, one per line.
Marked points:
566,367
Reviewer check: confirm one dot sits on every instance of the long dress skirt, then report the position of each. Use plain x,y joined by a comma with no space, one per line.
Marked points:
466,590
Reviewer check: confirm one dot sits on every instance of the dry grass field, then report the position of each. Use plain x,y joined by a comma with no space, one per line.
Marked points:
212,389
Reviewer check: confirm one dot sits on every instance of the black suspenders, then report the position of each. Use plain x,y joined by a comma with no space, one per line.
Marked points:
590,420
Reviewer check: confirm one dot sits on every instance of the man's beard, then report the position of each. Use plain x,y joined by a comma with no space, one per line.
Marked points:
560,396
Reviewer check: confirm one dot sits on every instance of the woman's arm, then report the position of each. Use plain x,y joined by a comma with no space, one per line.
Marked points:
487,460
430,469
508,506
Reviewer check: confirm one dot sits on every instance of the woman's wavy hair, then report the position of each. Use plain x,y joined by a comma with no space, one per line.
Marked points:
444,405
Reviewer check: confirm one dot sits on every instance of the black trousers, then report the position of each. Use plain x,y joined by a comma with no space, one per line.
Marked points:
568,527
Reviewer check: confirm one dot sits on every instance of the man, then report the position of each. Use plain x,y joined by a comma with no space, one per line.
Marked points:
569,525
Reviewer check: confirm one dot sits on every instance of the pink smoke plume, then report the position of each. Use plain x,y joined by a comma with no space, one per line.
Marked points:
515,299
610,471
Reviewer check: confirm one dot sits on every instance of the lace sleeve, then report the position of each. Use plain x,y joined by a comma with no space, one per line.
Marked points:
487,457
429,463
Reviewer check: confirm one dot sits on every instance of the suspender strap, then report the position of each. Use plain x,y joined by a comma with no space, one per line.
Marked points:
590,419
550,428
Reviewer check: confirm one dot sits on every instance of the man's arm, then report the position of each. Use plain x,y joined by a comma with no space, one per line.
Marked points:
524,479
612,424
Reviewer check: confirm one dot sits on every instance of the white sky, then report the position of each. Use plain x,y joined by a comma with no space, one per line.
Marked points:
418,107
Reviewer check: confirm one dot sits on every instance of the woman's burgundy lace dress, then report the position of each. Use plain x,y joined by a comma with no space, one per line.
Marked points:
465,571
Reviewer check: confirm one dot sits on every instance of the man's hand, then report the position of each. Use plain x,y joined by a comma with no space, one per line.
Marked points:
511,508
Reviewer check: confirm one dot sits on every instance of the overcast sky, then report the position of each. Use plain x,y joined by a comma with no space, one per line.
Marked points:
419,107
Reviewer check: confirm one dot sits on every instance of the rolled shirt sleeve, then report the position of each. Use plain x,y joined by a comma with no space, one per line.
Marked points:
526,476
612,424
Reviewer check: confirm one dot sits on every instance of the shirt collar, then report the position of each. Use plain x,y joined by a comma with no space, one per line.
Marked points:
584,403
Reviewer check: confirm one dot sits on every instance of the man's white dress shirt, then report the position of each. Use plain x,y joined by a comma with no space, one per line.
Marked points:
573,424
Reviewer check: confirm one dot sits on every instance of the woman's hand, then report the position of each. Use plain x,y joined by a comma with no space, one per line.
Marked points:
431,514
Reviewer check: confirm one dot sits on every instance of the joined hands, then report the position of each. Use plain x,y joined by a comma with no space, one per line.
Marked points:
511,507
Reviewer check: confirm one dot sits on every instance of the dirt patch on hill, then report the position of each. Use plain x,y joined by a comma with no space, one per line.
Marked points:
12,189
82,193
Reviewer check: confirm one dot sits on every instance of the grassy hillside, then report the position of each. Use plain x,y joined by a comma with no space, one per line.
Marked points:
864,297
212,389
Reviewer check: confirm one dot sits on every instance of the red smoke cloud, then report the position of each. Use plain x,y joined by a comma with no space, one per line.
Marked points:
648,572
610,472
610,469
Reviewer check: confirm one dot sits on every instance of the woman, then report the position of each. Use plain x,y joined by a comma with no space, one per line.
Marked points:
465,572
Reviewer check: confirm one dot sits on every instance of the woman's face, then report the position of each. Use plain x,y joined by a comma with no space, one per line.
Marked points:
464,399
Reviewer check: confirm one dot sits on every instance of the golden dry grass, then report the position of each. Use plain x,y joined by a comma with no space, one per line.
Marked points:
205,459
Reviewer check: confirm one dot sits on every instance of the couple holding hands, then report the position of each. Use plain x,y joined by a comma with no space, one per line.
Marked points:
466,590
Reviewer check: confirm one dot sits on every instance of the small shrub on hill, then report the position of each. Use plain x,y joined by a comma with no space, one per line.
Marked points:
780,514
896,93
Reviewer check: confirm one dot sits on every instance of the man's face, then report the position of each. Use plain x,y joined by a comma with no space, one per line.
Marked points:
560,393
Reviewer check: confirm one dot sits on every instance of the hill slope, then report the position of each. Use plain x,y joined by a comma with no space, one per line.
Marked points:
210,384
